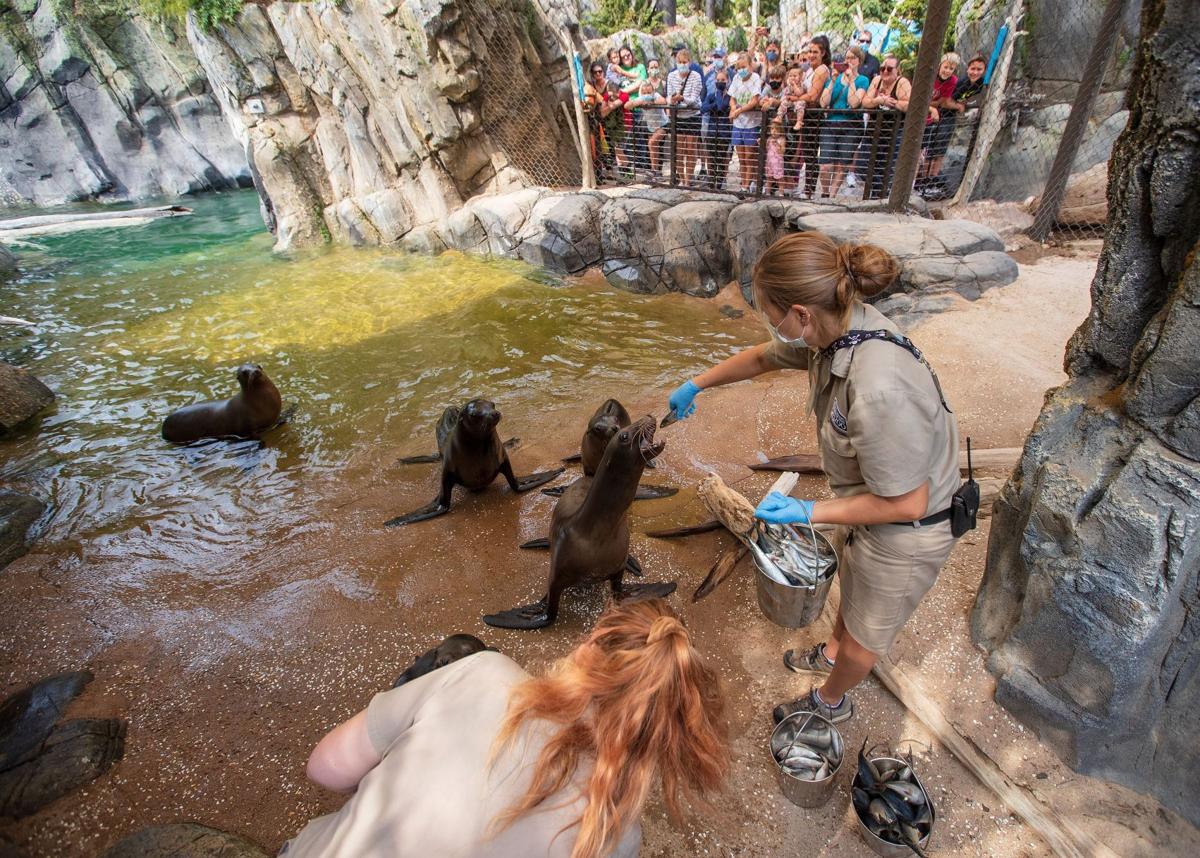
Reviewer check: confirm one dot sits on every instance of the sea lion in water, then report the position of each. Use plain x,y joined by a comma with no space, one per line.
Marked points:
251,412
450,650
589,532
610,418
471,455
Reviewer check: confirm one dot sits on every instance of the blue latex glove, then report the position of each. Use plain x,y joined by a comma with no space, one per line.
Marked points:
680,402
778,508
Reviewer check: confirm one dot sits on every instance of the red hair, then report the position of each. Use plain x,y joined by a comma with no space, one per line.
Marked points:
637,699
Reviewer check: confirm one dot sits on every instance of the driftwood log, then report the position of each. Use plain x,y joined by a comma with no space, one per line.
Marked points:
60,223
735,514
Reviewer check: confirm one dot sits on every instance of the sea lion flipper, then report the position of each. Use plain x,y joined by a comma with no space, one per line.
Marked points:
554,491
655,492
542,543
532,481
574,457
512,443
633,566
431,510
647,591
421,460
535,616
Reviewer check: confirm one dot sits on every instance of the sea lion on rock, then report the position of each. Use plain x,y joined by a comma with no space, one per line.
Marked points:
589,532
610,418
471,455
450,650
251,412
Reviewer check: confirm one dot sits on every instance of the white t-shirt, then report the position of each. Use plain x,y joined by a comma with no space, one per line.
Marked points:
742,91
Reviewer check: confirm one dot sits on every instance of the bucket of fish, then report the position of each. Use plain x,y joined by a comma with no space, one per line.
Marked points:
808,754
895,814
793,570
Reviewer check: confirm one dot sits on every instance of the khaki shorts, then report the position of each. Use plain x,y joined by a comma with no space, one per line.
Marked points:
885,571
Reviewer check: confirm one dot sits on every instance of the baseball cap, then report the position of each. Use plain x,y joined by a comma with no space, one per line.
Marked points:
718,52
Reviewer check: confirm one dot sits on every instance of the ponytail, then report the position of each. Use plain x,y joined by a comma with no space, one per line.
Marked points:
637,699
810,269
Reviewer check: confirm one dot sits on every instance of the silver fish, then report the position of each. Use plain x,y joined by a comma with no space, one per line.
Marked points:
790,556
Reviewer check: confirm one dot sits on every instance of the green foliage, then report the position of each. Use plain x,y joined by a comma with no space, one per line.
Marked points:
612,16
738,12
737,39
209,13
705,34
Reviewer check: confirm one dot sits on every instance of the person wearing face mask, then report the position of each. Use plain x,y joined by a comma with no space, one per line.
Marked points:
888,443
685,90
716,106
745,116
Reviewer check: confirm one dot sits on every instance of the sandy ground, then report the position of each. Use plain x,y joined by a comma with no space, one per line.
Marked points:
228,682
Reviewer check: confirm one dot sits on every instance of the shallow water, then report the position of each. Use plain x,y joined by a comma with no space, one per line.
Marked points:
370,345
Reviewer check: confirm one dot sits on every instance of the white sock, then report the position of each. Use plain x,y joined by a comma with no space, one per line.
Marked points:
820,699
828,660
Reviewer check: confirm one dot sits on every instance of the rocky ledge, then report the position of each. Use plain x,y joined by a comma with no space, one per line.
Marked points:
661,240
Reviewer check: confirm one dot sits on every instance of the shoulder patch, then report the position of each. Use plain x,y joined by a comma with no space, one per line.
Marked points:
838,419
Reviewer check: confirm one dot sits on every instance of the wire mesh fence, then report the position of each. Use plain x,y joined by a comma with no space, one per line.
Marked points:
1011,72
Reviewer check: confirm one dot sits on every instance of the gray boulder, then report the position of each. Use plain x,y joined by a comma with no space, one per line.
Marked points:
184,840
8,264
1090,602
695,249
22,396
18,513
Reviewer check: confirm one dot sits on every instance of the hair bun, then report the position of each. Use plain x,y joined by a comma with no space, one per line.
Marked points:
871,269
664,627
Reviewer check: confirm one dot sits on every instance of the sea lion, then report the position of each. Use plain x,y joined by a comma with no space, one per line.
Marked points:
471,455
610,418
251,412
451,649
589,532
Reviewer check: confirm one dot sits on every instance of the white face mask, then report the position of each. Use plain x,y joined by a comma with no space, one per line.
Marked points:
796,343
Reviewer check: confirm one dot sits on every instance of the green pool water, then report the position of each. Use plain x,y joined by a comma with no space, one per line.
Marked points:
371,345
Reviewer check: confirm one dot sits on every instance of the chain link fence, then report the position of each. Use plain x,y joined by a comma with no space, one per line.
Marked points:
1015,69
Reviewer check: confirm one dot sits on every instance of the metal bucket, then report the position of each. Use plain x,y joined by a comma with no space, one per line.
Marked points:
882,847
798,791
789,606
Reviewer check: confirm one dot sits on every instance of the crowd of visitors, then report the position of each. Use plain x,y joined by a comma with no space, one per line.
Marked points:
810,124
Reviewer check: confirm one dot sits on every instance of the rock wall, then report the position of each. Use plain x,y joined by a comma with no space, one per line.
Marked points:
365,118
1090,602
654,240
107,106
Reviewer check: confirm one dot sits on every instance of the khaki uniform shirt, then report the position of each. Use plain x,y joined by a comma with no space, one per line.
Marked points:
881,427
434,793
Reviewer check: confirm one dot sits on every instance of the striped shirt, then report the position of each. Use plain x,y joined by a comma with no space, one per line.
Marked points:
692,85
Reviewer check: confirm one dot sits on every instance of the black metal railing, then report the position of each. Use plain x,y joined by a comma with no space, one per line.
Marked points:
816,158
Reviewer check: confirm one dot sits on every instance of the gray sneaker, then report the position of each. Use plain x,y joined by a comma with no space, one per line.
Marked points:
811,703
813,661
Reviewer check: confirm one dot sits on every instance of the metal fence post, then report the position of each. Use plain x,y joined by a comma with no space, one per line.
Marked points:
1076,127
930,52
674,149
760,170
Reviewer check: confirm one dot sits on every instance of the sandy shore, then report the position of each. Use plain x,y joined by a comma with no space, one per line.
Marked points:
227,682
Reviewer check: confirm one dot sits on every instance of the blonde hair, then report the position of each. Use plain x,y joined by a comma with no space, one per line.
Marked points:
637,699
856,51
953,57
811,269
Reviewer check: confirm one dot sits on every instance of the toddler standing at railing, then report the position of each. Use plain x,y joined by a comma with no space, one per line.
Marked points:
776,181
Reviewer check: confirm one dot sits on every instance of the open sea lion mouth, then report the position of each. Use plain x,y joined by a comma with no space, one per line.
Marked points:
644,436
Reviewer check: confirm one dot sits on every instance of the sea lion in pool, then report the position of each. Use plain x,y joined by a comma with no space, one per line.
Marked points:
589,532
610,418
471,454
450,650
248,414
